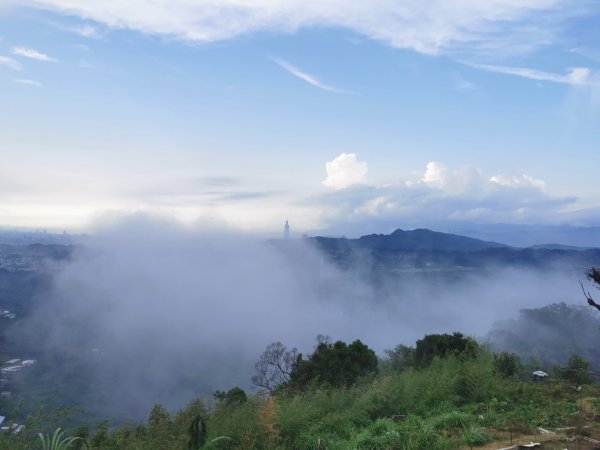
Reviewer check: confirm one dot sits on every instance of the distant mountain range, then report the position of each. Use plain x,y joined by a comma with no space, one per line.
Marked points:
516,235
426,250
424,239
532,235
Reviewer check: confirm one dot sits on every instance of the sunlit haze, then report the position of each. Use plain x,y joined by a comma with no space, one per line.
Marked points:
342,117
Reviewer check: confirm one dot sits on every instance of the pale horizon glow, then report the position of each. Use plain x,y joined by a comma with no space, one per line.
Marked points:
340,116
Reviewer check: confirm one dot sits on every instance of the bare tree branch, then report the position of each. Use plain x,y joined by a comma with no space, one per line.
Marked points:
274,366
589,298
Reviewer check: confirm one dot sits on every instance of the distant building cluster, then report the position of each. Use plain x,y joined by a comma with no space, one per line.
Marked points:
9,368
14,237
14,428
34,257
6,314
16,365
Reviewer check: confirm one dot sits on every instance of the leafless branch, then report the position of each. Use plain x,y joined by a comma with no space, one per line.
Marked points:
589,298
274,366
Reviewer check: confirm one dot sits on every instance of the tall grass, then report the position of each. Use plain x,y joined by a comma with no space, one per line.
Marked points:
451,403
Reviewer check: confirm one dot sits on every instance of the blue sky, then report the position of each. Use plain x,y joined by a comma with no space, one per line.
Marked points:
332,114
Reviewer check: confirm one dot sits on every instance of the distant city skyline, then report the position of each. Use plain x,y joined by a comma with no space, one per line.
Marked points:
338,116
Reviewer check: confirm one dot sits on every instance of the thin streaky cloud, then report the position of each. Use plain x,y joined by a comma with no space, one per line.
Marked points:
575,76
310,79
9,62
587,53
32,54
27,82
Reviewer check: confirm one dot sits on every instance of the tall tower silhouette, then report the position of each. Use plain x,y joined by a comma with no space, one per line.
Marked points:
286,230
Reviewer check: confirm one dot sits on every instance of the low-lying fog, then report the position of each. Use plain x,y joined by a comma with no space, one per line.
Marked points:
165,313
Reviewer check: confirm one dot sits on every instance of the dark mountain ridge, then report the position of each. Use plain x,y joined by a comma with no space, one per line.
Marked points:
424,239
428,250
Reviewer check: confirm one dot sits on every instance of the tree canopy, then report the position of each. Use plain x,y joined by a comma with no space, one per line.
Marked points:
337,364
441,345
333,364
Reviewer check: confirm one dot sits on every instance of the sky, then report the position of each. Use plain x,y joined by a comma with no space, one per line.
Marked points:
334,115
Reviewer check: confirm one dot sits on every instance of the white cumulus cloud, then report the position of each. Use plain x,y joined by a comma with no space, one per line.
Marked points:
344,171
438,194
436,175
518,181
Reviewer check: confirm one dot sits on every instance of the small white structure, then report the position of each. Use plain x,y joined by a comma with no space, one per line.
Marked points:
12,361
540,375
28,362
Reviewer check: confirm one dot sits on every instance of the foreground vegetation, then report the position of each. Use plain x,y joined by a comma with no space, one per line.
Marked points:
446,393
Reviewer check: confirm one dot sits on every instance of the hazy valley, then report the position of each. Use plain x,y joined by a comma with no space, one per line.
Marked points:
163,315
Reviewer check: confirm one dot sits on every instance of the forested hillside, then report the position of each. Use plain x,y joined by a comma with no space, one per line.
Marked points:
446,392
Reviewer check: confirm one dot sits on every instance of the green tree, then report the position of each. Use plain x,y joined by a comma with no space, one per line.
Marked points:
159,425
100,433
234,396
197,433
158,416
440,345
506,364
578,370
337,364
399,358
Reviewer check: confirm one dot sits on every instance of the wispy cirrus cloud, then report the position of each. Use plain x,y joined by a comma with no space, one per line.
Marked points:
10,63
87,31
310,79
32,54
27,82
432,27
575,76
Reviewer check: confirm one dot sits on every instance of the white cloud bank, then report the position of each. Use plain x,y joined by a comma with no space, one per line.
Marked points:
438,194
518,181
471,179
345,171
427,26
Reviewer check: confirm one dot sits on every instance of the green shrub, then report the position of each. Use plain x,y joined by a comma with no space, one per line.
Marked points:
475,436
